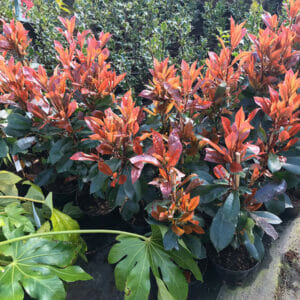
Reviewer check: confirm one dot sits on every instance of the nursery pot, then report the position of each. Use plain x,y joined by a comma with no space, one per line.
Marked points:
233,266
231,276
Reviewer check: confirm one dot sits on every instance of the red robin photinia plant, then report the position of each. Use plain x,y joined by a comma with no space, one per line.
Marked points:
208,156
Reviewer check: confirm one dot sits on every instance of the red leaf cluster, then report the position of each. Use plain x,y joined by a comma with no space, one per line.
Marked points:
180,214
272,52
116,134
14,38
85,63
235,136
165,157
168,90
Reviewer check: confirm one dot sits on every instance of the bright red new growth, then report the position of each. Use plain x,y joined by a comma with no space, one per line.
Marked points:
180,214
116,135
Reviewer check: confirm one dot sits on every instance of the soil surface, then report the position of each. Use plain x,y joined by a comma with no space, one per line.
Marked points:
233,259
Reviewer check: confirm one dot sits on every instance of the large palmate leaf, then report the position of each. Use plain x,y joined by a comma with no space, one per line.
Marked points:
136,257
12,217
38,266
8,182
225,221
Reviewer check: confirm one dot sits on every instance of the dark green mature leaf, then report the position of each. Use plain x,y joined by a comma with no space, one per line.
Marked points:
277,206
274,163
136,257
220,90
225,221
170,240
293,165
210,192
18,125
195,245
97,182
59,149
3,148
45,177
256,249
38,266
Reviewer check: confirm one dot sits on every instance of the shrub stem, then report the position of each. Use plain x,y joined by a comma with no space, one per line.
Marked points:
22,198
42,234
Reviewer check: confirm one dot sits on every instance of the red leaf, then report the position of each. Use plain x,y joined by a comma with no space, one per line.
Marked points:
283,136
104,168
84,156
122,179
220,172
71,108
145,158
194,203
235,167
105,149
136,171
158,143
174,148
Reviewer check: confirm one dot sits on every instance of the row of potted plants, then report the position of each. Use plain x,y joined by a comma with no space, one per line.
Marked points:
209,153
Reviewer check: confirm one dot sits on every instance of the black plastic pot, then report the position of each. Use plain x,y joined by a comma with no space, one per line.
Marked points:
231,276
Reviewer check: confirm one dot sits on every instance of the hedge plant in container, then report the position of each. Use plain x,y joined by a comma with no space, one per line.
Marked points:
54,105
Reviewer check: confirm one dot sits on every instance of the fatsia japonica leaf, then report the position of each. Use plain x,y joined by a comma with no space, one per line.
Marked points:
14,217
136,257
61,222
8,182
38,266
225,221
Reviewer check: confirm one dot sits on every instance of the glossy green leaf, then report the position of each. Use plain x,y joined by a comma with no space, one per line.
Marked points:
293,165
135,258
13,217
210,192
195,245
268,217
8,187
170,240
18,125
255,248
3,148
163,293
225,221
60,222
30,268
